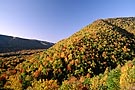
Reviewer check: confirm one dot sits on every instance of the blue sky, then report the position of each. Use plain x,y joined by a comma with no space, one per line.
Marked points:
53,20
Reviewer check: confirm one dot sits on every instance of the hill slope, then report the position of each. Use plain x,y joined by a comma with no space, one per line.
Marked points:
106,43
10,44
97,46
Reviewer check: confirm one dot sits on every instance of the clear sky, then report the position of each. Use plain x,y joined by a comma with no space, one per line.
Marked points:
53,20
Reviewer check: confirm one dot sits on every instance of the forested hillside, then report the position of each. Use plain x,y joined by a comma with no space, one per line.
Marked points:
101,56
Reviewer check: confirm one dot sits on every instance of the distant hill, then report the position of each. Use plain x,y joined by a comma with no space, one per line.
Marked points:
101,56
11,44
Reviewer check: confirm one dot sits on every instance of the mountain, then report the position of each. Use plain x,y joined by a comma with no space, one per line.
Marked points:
101,56
10,44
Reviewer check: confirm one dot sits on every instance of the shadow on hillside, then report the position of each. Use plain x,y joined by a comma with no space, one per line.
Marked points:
122,31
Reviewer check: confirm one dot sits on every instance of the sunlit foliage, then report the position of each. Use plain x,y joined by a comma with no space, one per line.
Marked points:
93,58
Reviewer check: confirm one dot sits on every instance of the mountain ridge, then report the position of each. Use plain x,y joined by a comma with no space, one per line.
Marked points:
10,44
